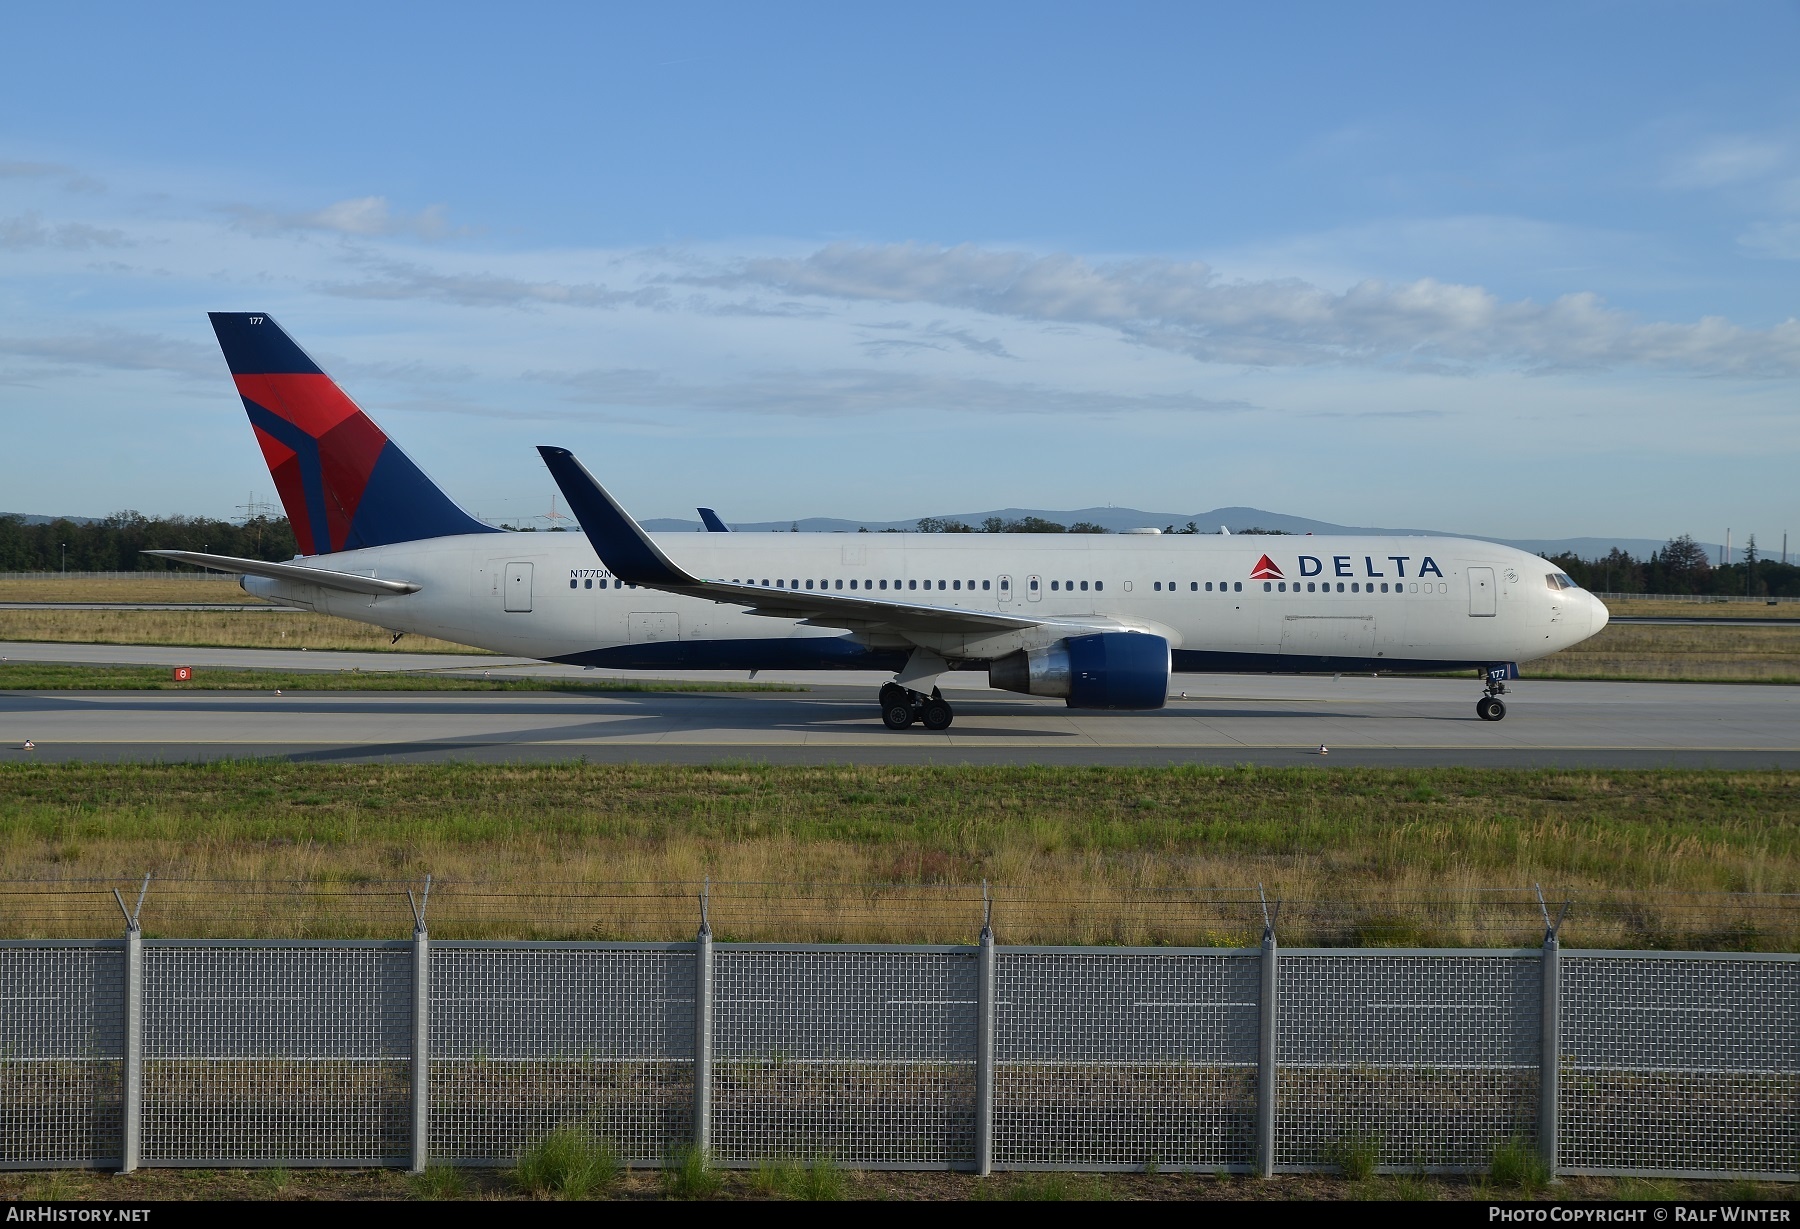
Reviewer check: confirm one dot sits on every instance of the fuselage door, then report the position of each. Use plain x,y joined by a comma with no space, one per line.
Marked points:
1005,583
1481,592
1034,589
518,588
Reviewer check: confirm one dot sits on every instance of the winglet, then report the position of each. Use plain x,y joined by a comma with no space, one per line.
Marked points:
711,520
620,541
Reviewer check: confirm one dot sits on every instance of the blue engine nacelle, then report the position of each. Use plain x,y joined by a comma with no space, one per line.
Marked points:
1102,670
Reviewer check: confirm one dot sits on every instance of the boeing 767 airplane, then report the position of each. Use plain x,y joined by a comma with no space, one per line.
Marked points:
1099,620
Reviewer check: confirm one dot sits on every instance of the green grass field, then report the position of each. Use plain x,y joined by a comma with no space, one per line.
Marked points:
802,853
54,676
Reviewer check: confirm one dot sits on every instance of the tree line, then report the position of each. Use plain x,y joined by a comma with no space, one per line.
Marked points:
113,544
1682,566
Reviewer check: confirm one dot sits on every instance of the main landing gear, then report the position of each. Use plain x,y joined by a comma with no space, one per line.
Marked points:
1490,707
901,707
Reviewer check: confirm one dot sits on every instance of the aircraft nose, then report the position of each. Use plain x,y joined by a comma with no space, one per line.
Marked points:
1602,616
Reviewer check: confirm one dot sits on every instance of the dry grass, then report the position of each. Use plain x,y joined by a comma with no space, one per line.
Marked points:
1091,855
152,587
1653,651
1649,608
221,629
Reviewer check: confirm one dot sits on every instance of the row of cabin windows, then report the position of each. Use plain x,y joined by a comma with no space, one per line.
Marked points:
873,584
1281,586
1194,586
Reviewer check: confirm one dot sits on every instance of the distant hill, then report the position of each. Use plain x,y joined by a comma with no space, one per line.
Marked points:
32,518
1235,519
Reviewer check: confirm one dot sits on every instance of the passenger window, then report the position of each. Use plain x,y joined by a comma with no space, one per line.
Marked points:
985,584
840,584
1034,585
1384,587
1084,586
1209,586
1157,586
940,584
588,584
1267,586
1193,586
971,584
809,584
956,584
781,584
1239,586
912,584
884,584
1413,588
571,582
1099,585
1053,585
1284,586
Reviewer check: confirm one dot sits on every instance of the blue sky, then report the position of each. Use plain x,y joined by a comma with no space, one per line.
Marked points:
1528,271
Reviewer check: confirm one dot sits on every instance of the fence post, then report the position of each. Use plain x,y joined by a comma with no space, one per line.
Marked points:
703,1029
1269,1004
1550,1057
421,1036
984,1042
131,1117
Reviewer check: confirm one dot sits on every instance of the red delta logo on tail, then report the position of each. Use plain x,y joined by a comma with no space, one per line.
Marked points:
344,483
1265,569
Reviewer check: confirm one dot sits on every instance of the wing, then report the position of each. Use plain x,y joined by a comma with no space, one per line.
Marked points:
632,556
348,582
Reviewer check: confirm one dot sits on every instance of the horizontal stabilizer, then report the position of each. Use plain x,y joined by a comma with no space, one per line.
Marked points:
347,582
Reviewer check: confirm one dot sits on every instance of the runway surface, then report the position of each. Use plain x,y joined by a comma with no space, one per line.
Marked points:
1225,719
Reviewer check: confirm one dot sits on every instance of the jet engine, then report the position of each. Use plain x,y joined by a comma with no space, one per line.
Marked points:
1102,670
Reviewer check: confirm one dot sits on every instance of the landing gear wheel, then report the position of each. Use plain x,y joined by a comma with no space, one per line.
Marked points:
892,694
1490,708
936,715
897,715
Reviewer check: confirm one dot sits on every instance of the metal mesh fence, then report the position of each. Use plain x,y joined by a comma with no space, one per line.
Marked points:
62,1038
298,1053
264,1054
1428,1059
527,1038
1673,1064
1115,1060
864,1054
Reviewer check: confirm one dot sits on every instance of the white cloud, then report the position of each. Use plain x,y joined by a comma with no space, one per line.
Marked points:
119,349
1186,307
857,391
364,217
405,280
29,231
67,177
1728,160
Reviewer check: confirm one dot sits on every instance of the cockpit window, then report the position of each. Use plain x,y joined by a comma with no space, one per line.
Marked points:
1557,580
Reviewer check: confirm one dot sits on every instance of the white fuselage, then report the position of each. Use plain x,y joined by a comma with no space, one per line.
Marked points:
1400,603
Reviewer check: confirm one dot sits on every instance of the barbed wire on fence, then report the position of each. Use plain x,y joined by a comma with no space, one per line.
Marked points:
889,912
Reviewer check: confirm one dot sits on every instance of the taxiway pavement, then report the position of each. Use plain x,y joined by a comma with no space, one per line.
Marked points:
1226,719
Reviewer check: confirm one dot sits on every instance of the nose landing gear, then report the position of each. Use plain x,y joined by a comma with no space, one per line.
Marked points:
901,707
1490,707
